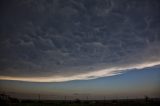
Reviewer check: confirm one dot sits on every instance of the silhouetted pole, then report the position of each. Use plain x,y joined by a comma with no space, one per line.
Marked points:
65,98
87,98
104,100
39,97
146,98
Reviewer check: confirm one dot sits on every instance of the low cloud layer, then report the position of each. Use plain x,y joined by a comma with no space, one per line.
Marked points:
85,76
61,40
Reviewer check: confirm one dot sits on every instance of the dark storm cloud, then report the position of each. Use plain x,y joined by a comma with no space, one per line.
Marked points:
71,37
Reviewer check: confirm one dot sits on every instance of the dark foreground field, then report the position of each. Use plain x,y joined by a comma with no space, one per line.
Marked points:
133,102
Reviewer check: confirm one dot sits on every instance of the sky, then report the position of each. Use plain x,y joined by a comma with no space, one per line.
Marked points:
80,47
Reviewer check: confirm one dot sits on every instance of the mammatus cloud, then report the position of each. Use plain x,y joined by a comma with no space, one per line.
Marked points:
59,40
86,76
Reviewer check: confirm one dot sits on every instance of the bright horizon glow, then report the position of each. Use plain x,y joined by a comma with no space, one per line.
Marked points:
85,76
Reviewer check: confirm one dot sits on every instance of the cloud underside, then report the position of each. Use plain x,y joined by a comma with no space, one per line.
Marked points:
86,76
64,40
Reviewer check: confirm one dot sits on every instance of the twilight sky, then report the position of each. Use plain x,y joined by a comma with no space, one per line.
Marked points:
49,42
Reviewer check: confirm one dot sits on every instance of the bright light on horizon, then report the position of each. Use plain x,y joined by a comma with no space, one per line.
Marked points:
84,76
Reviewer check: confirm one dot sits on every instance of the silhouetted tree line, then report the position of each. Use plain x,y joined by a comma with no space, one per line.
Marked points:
6,100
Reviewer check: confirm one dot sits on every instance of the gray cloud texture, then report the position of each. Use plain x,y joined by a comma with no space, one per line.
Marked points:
72,37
